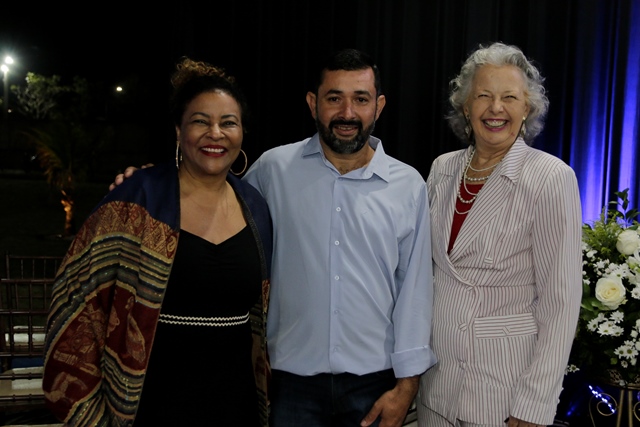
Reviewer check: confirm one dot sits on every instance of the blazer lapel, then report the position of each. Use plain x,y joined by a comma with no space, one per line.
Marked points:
446,186
492,197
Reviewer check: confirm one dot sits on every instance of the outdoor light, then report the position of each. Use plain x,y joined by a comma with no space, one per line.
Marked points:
5,96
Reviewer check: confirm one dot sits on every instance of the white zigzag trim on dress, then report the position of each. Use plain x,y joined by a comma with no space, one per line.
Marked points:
203,321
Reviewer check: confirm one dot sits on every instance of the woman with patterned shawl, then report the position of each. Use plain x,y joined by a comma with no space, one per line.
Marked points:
158,311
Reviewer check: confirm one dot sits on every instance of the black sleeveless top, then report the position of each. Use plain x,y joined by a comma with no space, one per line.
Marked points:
200,370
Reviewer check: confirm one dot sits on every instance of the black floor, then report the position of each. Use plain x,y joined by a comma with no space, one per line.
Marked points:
578,405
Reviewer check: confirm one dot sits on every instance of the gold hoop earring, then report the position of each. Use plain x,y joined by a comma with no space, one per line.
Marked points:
178,155
246,163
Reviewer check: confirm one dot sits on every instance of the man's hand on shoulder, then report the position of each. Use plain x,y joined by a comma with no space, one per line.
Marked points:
119,179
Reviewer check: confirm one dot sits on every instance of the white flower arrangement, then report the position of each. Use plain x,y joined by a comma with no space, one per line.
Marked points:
607,342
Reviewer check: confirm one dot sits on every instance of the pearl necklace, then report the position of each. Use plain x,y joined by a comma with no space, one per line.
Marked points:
466,178
483,169
482,178
463,183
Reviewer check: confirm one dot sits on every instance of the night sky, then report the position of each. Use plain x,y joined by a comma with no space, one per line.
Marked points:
109,45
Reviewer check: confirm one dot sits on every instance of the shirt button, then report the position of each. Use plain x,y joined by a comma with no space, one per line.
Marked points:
338,209
336,277
337,242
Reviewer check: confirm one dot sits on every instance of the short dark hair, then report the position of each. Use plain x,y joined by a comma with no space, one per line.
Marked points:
348,60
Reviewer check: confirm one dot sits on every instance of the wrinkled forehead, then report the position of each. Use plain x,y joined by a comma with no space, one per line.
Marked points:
499,75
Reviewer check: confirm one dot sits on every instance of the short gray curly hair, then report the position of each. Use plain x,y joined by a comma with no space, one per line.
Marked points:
498,54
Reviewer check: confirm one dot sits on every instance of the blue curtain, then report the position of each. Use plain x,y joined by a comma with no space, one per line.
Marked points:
588,50
605,123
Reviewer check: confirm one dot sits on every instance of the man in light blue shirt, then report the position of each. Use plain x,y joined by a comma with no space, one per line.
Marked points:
349,318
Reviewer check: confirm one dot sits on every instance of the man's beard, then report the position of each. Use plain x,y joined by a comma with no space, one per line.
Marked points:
344,146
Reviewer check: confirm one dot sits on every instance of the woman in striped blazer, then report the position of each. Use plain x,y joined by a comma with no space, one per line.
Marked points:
506,236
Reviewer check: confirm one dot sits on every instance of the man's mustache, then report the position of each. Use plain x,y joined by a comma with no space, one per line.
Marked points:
334,123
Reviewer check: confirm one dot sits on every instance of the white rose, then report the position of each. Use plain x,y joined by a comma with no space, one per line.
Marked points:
610,291
628,242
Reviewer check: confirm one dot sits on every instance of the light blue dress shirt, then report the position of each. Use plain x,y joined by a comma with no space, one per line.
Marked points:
351,283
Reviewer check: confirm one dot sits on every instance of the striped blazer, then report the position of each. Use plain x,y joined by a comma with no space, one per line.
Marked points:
507,296
108,294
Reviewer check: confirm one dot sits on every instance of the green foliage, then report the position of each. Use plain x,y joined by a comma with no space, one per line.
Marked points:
45,98
38,98
65,139
65,150
627,215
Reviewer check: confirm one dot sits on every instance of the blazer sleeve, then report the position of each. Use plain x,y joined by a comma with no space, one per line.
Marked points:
557,260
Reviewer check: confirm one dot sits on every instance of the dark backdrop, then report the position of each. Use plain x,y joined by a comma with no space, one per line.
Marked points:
588,50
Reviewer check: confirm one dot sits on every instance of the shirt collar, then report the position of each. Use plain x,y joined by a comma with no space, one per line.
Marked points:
379,164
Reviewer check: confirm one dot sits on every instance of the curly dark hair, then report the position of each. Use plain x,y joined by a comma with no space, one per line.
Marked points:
193,78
